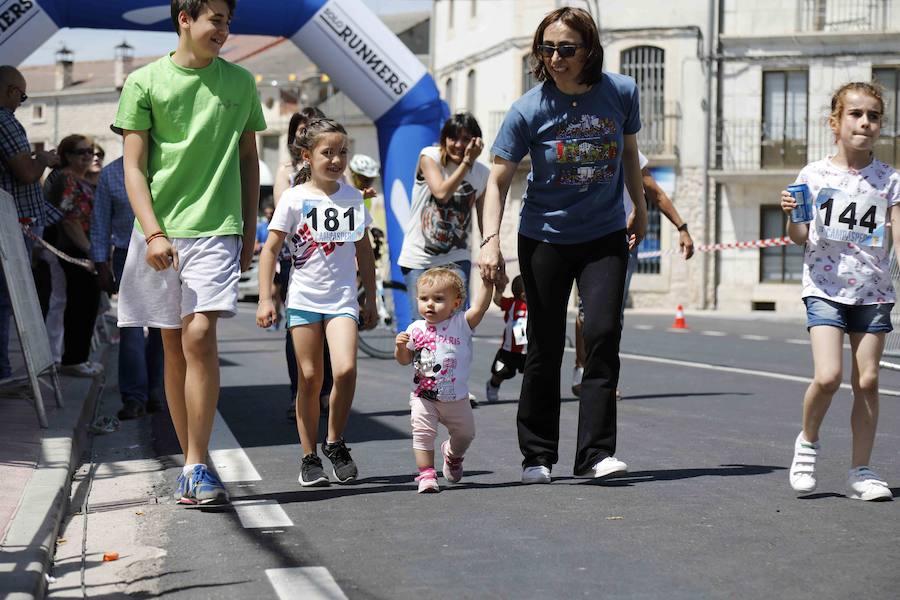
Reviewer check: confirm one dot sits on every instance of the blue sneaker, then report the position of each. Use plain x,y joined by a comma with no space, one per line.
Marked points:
203,488
182,491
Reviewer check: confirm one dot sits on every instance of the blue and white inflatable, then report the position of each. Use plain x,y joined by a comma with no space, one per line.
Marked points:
343,37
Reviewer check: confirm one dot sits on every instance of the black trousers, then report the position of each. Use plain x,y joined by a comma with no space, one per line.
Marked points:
548,271
82,302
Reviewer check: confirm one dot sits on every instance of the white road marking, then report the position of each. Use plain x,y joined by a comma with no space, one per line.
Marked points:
644,327
713,333
767,374
229,459
798,342
309,583
261,514
755,338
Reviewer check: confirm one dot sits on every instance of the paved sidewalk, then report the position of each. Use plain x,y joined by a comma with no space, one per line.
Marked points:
36,468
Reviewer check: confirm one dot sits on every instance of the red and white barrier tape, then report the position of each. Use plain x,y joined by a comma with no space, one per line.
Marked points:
84,263
767,243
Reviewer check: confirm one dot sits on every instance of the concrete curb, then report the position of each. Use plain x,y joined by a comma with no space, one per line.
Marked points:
31,540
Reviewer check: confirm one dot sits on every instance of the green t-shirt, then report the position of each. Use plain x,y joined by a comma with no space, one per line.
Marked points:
195,118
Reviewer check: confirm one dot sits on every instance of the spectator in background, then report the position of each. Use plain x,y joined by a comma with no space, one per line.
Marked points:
140,358
70,192
20,174
93,172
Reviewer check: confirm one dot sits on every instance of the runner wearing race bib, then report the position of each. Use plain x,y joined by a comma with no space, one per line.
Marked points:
324,222
510,358
847,282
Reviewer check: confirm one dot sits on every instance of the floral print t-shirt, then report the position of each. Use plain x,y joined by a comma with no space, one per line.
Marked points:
845,272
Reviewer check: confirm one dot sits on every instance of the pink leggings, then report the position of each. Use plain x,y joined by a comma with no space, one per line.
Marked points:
456,416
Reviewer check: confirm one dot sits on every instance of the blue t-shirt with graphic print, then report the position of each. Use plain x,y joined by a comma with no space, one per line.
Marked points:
574,191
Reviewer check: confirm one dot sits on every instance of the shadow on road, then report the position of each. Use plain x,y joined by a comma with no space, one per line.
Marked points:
677,474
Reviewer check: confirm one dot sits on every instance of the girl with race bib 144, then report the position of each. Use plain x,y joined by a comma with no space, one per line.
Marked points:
846,282
326,224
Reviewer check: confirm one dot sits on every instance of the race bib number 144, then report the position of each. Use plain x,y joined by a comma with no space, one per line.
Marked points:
332,222
842,218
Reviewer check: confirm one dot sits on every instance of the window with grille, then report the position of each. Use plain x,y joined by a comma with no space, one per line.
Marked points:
646,65
779,264
887,147
785,106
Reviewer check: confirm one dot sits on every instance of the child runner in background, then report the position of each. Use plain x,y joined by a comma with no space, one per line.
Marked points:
440,345
322,297
847,282
510,358
192,175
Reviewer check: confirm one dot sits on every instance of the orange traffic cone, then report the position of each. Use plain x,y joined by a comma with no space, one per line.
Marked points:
679,323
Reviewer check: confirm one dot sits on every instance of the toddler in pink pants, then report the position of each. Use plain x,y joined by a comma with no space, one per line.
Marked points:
440,347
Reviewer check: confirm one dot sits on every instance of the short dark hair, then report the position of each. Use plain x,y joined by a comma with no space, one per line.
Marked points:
454,126
192,8
581,21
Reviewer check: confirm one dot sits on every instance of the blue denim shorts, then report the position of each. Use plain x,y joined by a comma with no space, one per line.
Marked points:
296,316
851,318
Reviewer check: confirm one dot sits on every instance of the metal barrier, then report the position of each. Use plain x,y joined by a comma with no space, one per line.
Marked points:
891,357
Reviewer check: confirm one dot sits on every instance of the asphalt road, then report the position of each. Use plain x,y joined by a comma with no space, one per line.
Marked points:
704,512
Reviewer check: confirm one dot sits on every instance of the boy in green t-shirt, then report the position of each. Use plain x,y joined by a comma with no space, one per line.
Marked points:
192,175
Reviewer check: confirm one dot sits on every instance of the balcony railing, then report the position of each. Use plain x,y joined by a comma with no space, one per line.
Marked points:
754,145
844,15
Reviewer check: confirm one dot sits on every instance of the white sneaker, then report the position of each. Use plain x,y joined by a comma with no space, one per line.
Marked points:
608,467
803,468
536,474
865,484
577,375
490,392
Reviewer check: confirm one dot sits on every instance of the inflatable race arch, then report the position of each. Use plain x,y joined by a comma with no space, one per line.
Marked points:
343,37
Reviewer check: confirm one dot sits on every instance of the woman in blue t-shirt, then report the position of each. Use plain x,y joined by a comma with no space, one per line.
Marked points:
578,126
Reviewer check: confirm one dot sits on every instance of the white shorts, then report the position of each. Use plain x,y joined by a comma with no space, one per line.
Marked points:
206,281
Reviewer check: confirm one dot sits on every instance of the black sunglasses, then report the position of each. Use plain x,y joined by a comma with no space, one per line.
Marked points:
564,50
22,95
83,151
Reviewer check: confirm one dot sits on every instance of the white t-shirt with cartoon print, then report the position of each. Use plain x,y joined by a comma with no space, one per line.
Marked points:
323,275
437,234
442,355
846,272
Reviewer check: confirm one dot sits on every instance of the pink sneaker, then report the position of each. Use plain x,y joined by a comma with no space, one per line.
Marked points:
428,482
453,470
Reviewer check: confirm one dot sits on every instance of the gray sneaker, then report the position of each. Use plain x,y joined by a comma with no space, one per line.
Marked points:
311,472
343,467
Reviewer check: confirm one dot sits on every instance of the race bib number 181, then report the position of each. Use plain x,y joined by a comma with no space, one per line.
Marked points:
842,218
331,222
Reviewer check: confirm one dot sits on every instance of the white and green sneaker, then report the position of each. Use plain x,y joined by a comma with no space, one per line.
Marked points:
803,468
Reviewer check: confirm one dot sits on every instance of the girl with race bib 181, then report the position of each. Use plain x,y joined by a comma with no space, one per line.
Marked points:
847,282
326,225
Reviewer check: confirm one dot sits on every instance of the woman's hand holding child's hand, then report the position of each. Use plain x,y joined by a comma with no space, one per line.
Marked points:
265,313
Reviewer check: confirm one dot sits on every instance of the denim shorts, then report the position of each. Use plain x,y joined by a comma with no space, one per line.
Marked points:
296,316
851,318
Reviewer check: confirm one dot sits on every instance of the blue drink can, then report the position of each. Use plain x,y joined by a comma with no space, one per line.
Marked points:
803,213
